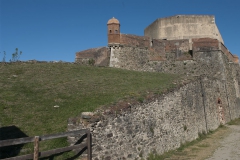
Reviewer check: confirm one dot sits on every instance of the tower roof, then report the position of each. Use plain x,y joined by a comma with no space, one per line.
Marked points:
113,20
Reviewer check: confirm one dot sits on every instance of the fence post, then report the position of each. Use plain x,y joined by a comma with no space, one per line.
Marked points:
36,148
89,145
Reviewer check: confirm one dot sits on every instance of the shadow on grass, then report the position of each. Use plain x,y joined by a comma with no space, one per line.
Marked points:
10,132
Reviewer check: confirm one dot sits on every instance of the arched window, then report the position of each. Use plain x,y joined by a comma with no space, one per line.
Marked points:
110,31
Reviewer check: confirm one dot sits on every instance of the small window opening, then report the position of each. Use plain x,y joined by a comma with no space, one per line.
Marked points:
110,31
191,53
116,31
219,101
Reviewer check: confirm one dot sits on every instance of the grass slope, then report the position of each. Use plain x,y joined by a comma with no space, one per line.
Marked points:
29,92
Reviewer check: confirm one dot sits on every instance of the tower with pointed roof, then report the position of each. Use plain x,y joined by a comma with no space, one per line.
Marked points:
113,31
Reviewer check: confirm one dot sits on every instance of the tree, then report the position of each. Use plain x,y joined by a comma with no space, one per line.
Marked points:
16,56
4,56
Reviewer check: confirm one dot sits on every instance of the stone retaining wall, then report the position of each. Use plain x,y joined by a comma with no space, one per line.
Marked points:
170,119
160,125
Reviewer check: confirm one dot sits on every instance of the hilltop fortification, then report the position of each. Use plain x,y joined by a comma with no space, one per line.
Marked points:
190,45
182,35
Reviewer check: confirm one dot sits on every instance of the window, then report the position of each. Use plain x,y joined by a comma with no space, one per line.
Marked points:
116,31
110,31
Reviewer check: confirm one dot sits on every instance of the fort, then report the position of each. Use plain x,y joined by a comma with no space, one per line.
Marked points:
180,33
190,45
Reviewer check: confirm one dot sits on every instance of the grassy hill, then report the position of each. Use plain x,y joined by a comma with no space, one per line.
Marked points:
29,92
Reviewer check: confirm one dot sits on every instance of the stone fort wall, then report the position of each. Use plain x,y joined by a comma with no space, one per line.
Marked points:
162,124
167,121
171,56
175,117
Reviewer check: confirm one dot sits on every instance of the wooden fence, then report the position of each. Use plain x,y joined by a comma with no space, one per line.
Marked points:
37,154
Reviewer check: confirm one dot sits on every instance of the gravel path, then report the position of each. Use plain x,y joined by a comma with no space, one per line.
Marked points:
230,146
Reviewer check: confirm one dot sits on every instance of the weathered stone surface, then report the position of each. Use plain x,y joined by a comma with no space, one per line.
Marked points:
164,123
87,115
94,56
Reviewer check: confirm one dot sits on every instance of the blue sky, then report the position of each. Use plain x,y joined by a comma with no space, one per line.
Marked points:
56,29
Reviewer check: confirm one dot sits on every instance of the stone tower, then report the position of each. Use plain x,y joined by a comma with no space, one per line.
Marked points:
113,31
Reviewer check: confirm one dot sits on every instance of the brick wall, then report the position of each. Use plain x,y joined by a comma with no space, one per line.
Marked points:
113,38
179,49
113,33
158,46
205,44
227,53
208,44
134,41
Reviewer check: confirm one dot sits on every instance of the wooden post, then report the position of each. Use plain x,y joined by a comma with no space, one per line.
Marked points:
36,148
89,145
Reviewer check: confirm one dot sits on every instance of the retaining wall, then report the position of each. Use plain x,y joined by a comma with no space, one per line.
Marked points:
162,124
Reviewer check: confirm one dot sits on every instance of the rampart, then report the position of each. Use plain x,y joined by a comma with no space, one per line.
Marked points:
165,122
161,53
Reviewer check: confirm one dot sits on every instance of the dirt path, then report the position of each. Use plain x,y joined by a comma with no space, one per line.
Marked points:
230,146
223,144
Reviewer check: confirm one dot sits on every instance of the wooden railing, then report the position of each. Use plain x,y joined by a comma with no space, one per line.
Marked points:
37,154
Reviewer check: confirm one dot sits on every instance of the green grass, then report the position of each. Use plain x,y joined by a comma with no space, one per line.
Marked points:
29,92
234,122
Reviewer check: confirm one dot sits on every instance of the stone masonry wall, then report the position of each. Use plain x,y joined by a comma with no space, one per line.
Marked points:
132,58
162,47
95,56
162,124
173,58
206,60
